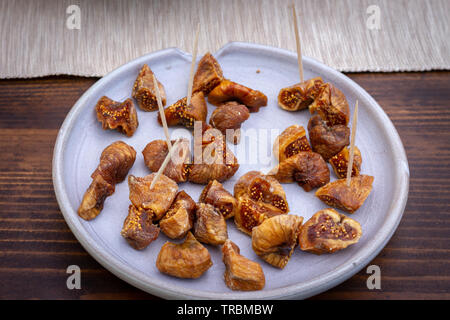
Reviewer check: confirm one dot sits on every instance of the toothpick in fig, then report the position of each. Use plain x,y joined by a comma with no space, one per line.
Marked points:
161,112
297,40
164,164
194,59
352,145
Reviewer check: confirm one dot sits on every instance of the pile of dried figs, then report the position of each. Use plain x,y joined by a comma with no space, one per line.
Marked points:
258,204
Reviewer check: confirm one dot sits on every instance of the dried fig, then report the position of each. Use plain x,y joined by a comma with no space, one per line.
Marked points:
263,189
180,114
339,162
206,137
217,162
180,217
229,91
178,167
251,213
210,226
331,105
241,273
144,90
259,197
328,231
229,115
306,168
300,95
121,116
290,142
138,229
94,198
338,195
274,240
115,162
208,74
189,259
156,201
327,140
216,195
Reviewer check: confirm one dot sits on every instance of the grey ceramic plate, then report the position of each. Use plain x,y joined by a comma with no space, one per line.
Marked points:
81,140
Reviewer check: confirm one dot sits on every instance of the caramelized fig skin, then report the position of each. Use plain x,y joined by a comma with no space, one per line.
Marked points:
208,75
217,196
156,201
290,142
274,240
337,194
327,140
177,169
180,217
300,95
180,114
204,173
229,116
113,115
210,226
241,273
339,163
115,162
217,163
328,231
94,198
138,229
306,168
144,90
206,137
331,105
231,91
189,259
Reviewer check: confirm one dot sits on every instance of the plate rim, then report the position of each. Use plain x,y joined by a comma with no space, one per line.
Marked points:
302,290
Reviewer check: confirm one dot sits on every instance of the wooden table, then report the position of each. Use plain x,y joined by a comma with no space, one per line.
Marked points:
36,246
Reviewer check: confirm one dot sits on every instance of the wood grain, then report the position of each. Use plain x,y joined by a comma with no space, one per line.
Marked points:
36,245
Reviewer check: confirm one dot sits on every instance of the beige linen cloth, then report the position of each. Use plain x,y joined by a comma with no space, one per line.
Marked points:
41,37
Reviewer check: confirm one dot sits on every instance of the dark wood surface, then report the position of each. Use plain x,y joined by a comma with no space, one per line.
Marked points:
36,246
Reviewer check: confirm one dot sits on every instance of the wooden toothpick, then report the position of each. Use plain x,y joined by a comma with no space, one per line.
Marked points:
352,145
161,112
191,74
164,164
297,40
